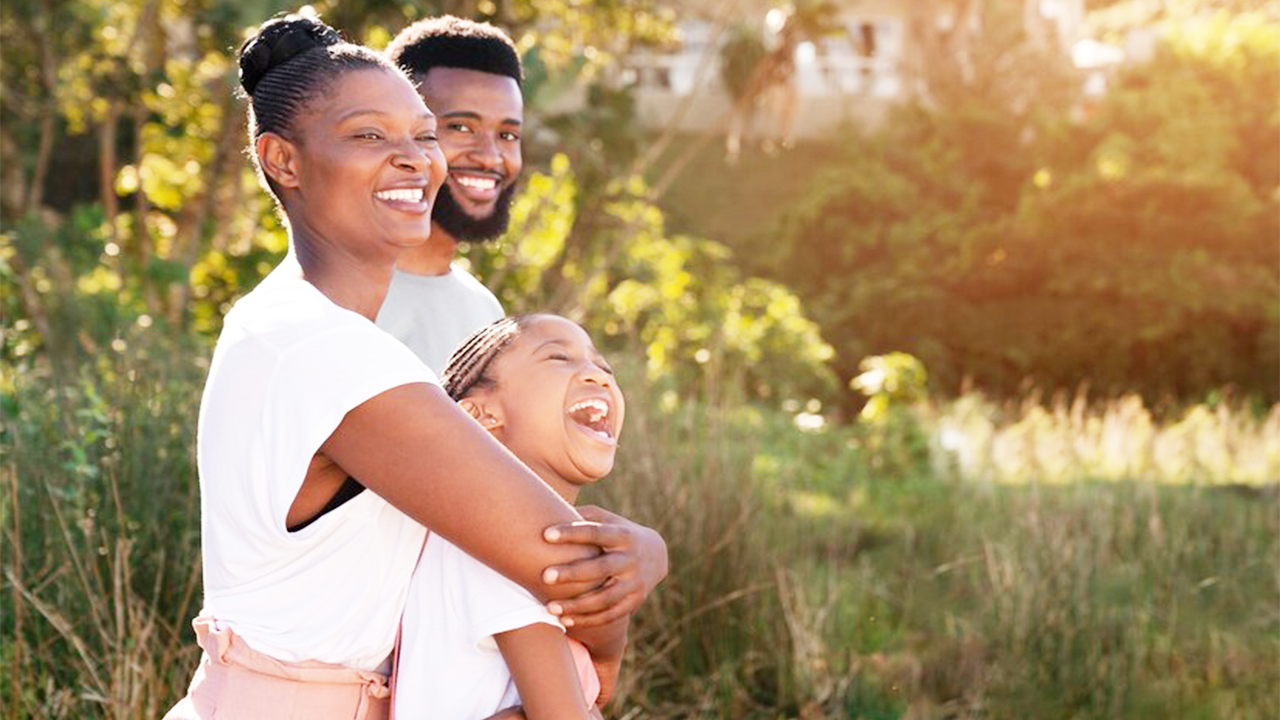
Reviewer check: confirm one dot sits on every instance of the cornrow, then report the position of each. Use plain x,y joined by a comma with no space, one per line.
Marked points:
468,366
290,60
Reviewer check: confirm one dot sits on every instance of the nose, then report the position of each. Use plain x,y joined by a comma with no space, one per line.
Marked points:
412,157
596,375
485,153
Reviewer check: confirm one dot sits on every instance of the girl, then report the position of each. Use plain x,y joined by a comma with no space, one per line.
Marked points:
474,642
305,573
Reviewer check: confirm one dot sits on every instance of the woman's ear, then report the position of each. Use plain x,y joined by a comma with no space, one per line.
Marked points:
278,158
487,414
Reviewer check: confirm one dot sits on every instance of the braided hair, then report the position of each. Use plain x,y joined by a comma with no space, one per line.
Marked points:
454,42
469,366
286,64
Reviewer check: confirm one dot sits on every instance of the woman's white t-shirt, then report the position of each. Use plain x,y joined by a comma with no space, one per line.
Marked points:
288,366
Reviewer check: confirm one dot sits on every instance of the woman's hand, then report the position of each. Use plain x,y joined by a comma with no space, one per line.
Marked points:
633,563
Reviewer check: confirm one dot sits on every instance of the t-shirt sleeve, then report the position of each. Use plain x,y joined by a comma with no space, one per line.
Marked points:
482,600
314,385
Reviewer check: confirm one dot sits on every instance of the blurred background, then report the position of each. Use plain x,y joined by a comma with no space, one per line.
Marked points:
950,330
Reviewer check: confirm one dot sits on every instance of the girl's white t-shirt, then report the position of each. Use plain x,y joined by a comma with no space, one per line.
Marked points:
287,368
450,667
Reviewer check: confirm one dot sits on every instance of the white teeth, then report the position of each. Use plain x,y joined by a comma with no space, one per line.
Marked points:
478,183
599,409
404,194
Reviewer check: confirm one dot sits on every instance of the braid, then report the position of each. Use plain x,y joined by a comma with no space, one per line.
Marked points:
468,366
286,64
283,93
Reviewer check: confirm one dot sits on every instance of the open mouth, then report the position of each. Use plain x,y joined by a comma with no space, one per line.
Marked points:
593,416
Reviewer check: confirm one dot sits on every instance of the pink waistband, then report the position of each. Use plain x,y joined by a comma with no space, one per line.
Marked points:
224,647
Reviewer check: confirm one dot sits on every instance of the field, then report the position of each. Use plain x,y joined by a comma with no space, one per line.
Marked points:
957,559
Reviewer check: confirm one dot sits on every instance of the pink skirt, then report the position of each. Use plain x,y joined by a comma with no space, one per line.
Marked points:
236,682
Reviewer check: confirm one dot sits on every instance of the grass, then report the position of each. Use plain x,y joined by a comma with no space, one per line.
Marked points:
869,571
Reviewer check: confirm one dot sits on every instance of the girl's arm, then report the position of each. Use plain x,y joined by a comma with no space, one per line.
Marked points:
606,643
417,449
542,666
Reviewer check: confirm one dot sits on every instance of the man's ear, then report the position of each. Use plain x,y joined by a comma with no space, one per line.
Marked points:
489,415
278,158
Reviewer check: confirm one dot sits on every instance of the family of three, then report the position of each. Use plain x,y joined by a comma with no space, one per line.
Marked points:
361,493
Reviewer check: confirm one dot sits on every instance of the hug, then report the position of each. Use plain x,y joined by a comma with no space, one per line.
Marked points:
351,501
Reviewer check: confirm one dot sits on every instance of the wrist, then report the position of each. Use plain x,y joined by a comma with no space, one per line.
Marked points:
607,643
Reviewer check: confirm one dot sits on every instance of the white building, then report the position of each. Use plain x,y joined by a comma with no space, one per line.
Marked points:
854,75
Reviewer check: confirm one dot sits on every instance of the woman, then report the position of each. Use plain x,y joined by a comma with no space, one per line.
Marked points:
305,572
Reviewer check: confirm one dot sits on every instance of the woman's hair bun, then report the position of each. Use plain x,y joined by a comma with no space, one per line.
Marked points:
279,40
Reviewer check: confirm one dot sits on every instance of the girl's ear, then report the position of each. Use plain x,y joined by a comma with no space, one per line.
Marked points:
485,413
279,159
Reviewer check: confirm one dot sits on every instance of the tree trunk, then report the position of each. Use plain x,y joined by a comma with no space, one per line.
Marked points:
49,75
186,243
107,169
143,249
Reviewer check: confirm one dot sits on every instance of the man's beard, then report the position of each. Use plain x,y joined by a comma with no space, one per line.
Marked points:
450,216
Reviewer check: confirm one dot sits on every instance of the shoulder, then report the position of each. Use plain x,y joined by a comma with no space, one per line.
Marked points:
477,289
466,279
291,314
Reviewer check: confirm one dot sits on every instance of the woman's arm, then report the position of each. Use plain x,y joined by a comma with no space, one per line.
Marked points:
542,666
422,453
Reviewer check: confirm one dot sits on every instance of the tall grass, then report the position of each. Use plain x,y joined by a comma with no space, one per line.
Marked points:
854,588
836,572
100,521
1073,440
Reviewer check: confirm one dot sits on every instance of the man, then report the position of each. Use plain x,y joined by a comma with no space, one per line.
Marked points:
469,74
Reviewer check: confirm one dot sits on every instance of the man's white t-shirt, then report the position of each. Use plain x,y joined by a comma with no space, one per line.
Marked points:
288,366
433,314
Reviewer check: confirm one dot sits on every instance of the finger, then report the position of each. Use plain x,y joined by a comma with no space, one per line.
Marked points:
593,571
629,604
589,533
594,601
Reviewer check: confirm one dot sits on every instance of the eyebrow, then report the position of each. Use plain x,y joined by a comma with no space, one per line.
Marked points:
591,349
476,116
380,113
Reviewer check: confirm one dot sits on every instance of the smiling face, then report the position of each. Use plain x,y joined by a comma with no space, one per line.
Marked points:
554,403
480,117
363,167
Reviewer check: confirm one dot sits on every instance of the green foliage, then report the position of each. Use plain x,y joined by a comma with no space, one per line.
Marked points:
1131,250
893,384
698,322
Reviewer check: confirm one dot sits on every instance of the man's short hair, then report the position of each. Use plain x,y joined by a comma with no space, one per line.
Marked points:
454,42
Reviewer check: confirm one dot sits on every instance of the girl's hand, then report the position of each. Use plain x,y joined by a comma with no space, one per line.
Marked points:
633,563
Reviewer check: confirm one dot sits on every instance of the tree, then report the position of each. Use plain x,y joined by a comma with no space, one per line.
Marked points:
1131,250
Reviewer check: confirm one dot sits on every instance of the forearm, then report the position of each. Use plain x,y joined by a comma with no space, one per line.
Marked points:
606,642
417,449
544,672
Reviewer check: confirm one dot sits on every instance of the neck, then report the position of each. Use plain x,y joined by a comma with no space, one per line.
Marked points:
356,283
433,257
564,488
